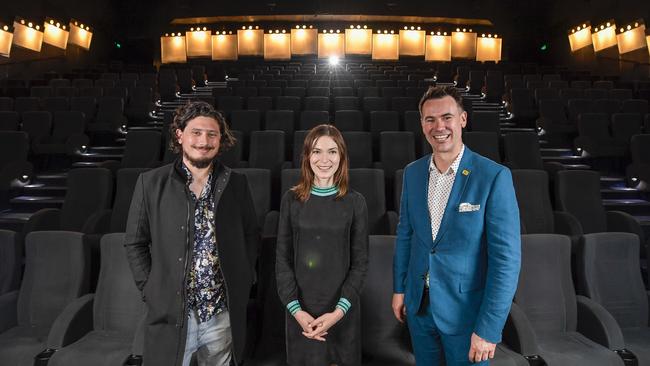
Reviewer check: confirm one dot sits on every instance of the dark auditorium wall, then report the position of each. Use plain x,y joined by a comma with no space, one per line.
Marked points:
526,25
101,15
562,15
516,20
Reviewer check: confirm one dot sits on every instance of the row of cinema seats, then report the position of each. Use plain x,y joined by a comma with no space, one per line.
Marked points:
52,316
74,87
103,109
267,151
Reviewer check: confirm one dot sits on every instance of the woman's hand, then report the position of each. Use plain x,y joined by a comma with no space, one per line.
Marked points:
323,323
304,320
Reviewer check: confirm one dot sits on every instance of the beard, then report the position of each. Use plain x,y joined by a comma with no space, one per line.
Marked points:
198,163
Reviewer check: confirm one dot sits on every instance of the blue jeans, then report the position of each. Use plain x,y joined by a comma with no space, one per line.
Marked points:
211,340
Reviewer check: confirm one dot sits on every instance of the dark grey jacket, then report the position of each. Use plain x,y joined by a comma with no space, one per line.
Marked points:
159,248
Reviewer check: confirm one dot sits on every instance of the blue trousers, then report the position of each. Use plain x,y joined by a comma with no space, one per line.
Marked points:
433,348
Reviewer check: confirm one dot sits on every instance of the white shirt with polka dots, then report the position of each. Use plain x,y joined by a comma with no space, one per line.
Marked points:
439,189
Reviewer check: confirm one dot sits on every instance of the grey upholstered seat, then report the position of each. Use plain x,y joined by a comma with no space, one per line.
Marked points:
554,315
116,310
370,183
578,192
11,256
384,340
608,273
483,143
535,211
27,315
90,190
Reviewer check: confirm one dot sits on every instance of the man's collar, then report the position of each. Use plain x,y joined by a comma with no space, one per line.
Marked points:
190,178
453,168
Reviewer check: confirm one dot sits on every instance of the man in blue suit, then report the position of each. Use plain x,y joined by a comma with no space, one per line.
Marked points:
457,254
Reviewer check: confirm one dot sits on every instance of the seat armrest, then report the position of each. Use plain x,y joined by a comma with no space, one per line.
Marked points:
393,219
98,223
8,310
43,220
619,221
73,323
519,334
566,224
597,324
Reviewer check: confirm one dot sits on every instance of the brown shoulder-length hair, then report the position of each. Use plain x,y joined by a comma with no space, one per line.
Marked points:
341,177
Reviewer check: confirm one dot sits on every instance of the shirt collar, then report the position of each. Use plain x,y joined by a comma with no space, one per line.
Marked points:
188,174
453,168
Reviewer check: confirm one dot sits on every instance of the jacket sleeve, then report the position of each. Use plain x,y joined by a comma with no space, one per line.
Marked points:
356,276
402,242
251,227
284,264
503,257
137,240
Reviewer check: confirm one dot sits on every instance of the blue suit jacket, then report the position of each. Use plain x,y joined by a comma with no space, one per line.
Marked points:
474,262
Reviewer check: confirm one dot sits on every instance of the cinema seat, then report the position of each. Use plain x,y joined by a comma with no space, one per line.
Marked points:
28,315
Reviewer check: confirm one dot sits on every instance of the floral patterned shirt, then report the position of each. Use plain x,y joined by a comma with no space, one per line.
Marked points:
205,284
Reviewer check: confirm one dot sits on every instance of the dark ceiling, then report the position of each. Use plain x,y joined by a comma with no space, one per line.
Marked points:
524,24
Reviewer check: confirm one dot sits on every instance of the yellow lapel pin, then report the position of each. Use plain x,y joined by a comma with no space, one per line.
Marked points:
465,172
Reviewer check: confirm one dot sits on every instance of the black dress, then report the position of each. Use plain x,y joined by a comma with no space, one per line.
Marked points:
322,255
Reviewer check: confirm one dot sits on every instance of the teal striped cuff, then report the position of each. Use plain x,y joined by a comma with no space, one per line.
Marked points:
294,307
344,305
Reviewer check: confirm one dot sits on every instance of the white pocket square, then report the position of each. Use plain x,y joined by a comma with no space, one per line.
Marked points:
468,207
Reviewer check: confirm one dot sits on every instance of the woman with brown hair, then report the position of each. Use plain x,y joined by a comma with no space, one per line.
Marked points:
322,256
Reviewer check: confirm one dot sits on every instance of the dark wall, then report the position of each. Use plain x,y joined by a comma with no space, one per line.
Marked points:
526,25
100,15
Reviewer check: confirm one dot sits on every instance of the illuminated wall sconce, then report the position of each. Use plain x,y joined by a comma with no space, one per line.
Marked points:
604,36
488,47
199,42
438,47
358,40
580,37
80,34
385,45
250,41
412,41
304,40
224,46
463,43
55,33
631,37
28,35
277,45
331,42
5,40
173,48
647,39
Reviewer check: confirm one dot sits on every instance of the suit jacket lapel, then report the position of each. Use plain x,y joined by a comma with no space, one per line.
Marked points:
460,183
421,209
